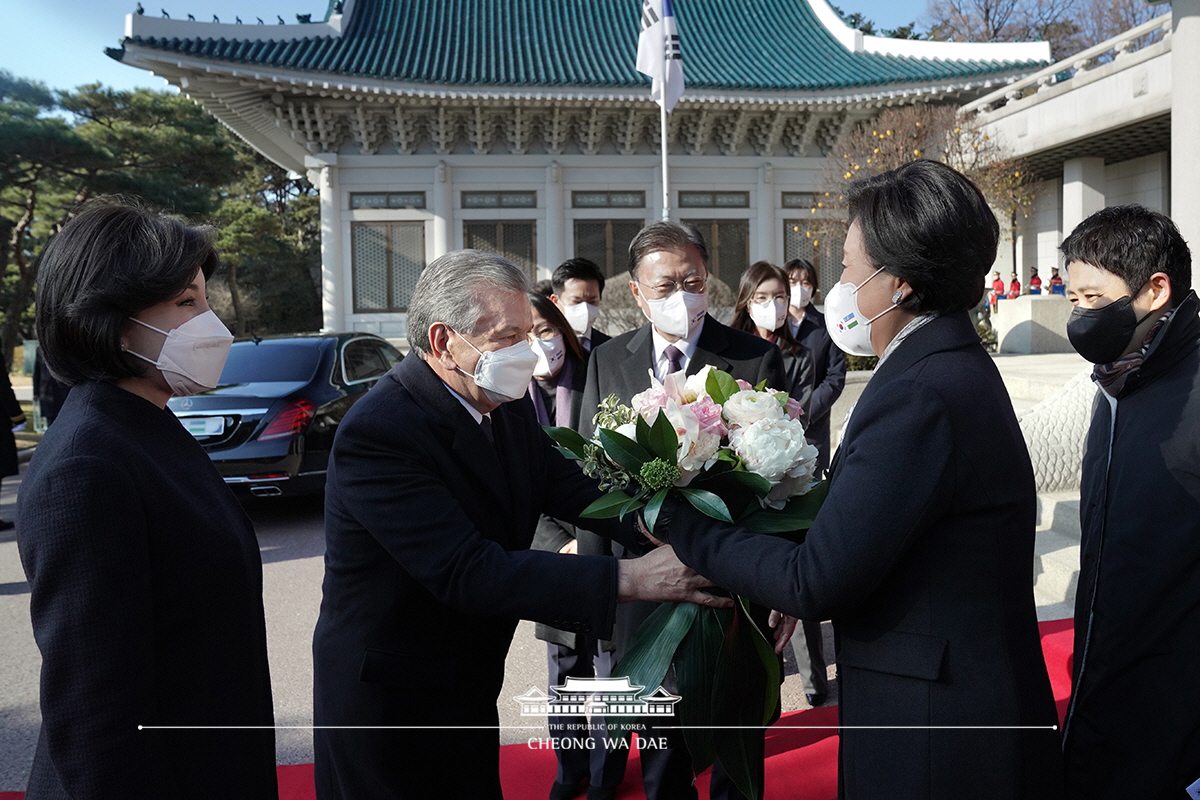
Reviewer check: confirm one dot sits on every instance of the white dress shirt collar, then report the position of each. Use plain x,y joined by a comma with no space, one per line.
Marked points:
687,346
475,413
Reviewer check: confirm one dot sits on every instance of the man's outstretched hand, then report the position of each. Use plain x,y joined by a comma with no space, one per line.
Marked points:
661,577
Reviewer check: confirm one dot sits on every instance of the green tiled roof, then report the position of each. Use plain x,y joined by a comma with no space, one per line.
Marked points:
766,45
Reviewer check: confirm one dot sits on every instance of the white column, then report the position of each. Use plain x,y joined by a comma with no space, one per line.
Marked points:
1083,191
765,200
1185,120
323,173
442,203
555,228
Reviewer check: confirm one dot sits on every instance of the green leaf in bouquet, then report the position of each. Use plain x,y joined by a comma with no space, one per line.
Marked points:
623,450
744,711
761,385
664,441
569,441
752,481
651,650
798,515
706,502
695,675
721,386
606,505
765,649
634,504
653,506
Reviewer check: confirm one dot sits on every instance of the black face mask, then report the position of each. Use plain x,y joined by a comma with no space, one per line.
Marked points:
1101,334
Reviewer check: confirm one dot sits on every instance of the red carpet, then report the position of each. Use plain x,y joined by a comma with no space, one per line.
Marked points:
801,762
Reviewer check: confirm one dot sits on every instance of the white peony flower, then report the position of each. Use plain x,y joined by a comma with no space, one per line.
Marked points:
774,448
748,406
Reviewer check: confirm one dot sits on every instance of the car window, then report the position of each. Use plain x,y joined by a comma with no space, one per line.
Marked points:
362,361
271,361
390,354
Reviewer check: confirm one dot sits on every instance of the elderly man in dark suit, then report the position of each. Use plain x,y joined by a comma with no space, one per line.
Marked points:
668,276
433,493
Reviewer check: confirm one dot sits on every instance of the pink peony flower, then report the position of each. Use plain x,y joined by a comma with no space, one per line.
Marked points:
791,407
709,415
744,385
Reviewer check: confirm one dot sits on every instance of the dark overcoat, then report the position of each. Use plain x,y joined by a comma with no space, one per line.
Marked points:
923,558
146,597
427,571
12,415
829,379
1133,724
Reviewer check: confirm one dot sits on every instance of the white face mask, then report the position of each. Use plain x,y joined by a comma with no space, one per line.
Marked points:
801,295
847,326
679,314
550,356
580,317
503,374
769,315
193,355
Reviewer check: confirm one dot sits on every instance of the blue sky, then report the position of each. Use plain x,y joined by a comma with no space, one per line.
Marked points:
61,42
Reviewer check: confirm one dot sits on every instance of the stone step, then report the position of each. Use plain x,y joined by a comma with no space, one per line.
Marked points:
1060,511
1056,573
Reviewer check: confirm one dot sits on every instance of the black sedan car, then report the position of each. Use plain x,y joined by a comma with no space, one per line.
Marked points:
269,424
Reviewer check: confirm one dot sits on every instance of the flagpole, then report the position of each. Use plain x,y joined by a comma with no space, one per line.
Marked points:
662,116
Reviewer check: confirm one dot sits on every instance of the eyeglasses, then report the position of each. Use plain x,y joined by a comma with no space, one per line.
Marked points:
665,288
545,334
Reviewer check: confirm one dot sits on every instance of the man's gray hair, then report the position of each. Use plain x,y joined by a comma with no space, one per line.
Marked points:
452,290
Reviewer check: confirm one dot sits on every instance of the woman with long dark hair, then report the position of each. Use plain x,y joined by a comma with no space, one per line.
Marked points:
144,572
761,308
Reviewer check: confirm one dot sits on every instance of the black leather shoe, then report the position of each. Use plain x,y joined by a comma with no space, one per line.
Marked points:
815,699
602,793
6,525
565,791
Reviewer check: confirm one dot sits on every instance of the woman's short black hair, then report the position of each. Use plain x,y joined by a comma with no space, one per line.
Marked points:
1132,242
111,261
930,225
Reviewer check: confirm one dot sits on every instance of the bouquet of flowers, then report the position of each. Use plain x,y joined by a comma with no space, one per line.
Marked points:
736,453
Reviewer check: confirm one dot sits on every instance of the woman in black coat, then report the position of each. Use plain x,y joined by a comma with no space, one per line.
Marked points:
807,325
145,575
922,553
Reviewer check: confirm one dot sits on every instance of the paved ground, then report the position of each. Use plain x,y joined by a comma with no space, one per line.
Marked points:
291,538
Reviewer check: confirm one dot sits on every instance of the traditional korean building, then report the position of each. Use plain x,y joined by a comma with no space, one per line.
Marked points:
580,696
522,126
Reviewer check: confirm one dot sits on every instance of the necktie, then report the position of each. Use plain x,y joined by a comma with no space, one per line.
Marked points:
674,359
486,425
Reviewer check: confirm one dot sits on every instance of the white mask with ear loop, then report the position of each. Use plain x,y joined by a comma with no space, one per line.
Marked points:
503,374
550,356
580,317
193,355
847,326
768,315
